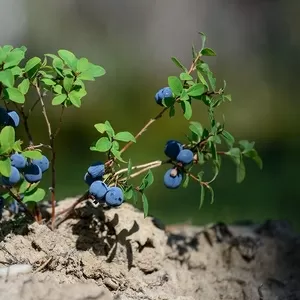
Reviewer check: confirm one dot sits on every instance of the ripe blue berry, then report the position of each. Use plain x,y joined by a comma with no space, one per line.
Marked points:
88,179
97,169
163,93
4,117
43,163
32,173
185,156
14,119
13,178
98,189
171,181
173,148
114,196
18,161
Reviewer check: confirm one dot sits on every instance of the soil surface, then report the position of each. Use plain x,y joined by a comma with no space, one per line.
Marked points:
101,254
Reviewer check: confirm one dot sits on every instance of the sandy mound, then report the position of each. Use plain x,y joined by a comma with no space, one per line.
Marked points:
117,254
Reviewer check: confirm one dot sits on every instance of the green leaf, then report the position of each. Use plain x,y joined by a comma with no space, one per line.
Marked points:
69,58
117,155
179,64
101,127
235,154
50,82
103,144
172,111
57,89
205,69
13,58
254,156
59,99
32,154
75,97
185,76
128,193
35,195
14,95
23,87
68,83
147,181
109,130
5,166
227,97
17,146
145,205
7,78
16,71
175,85
229,139
187,109
184,96
196,90
135,197
125,136
202,196
129,168
203,37
115,145
82,65
240,172
246,145
7,137
208,52
186,181
31,63
197,128
92,72
96,71
212,194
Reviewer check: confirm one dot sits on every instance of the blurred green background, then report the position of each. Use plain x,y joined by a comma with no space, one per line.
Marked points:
258,47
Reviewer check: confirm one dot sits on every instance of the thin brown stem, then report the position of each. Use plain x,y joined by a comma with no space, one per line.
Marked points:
196,179
51,138
68,212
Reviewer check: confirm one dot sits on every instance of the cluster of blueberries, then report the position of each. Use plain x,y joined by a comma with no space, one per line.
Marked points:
183,157
31,170
112,196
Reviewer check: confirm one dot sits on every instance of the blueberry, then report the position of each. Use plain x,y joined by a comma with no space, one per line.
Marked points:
18,161
43,163
171,181
97,169
13,178
114,196
185,156
163,93
32,173
88,179
173,148
14,119
4,117
98,189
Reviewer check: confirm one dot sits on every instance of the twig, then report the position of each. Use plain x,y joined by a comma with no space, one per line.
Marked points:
60,121
38,146
158,164
196,179
70,209
51,138
40,268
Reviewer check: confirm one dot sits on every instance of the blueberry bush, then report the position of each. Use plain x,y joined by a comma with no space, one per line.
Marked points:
59,80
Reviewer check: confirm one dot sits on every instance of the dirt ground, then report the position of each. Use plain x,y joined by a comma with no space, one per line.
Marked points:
117,254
